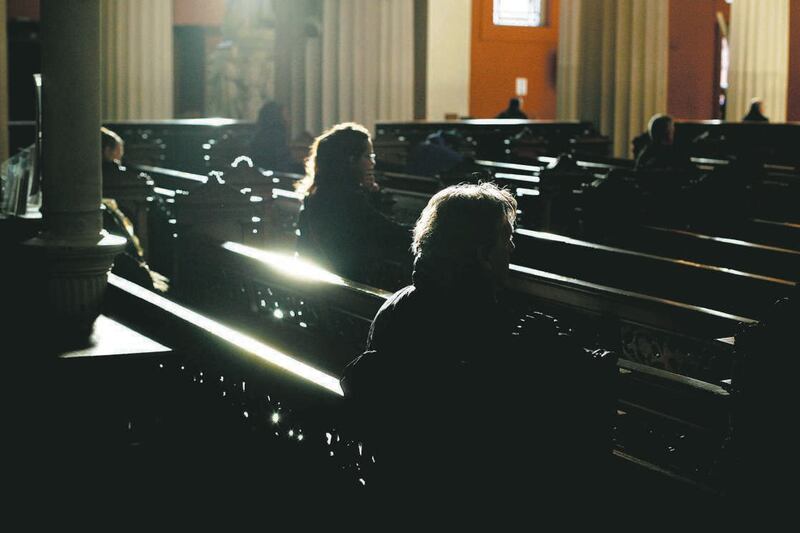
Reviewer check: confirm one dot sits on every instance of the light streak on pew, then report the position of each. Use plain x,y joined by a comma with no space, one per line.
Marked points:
230,335
164,192
294,267
172,173
516,177
287,264
513,166
623,292
585,244
522,191
726,240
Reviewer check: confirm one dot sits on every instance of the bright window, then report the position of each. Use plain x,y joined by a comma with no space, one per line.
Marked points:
518,13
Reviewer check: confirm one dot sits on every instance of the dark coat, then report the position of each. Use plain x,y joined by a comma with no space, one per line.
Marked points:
754,115
345,233
662,157
456,397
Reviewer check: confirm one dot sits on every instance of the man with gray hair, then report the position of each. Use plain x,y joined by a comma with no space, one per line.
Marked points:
449,375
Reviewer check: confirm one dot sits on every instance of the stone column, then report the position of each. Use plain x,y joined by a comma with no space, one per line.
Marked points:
71,257
3,83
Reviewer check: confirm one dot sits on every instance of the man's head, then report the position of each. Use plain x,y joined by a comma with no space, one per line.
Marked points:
756,106
466,228
112,146
661,129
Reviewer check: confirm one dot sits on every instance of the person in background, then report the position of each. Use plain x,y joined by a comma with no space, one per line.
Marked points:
660,153
124,193
513,110
338,226
437,156
269,147
756,112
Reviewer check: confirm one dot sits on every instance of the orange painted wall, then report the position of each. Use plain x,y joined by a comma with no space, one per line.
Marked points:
500,54
793,103
693,63
26,9
198,12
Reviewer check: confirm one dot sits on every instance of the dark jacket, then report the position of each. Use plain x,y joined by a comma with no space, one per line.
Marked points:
344,233
662,157
457,397
754,115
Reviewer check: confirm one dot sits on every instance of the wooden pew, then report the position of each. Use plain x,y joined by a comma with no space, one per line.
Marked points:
281,223
409,196
773,143
489,139
708,249
192,145
252,206
719,288
686,412
769,232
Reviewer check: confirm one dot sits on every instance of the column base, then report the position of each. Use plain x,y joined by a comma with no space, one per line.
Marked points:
68,281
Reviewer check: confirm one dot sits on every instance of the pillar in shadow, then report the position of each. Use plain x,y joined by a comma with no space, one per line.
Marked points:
70,259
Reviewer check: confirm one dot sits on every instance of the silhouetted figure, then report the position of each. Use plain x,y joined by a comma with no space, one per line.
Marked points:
112,149
756,112
660,153
269,148
639,143
436,156
449,377
339,227
124,196
513,110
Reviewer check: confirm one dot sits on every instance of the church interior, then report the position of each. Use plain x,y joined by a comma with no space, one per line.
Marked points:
163,339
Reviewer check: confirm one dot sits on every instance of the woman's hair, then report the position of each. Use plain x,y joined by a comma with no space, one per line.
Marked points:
460,219
331,156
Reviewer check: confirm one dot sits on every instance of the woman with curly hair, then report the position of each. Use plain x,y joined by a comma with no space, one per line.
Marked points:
339,228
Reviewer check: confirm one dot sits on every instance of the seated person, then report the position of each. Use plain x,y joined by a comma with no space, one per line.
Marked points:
269,148
639,143
338,226
124,194
660,153
756,112
436,156
513,110
112,148
118,182
449,378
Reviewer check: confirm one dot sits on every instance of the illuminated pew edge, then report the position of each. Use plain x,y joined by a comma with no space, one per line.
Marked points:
244,342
